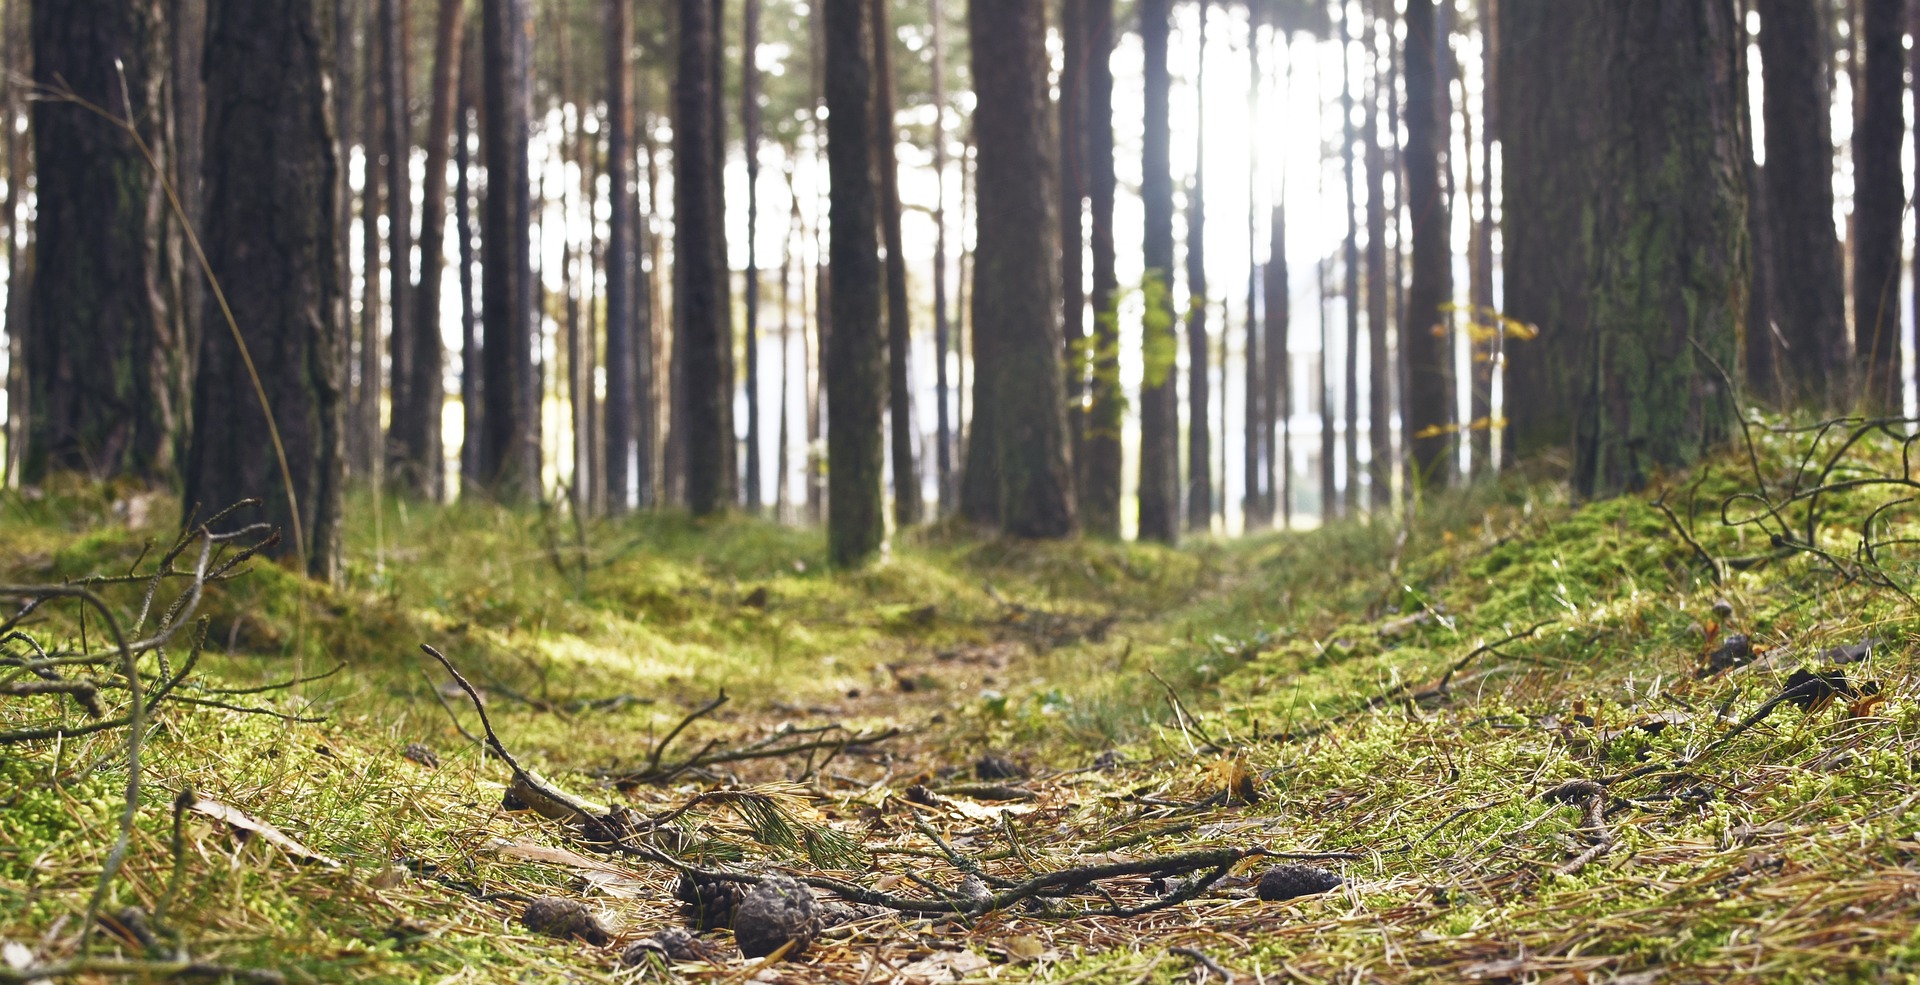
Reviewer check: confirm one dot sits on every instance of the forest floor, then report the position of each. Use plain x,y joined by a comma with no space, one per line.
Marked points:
1668,737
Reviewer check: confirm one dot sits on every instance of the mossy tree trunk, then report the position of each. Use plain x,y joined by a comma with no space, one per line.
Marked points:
1099,473
1810,306
1667,239
1159,388
103,366
271,242
1015,299
1879,202
856,371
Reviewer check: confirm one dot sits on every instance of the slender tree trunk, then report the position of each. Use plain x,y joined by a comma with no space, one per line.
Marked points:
1484,313
1278,365
102,362
405,406
270,239
1759,349
941,330
1329,420
19,235
906,479
623,268
1257,502
509,453
589,463
187,35
1073,196
783,445
1351,391
1379,362
704,408
1668,235
1199,362
750,141
1879,201
1427,342
368,459
855,352
647,343
1100,470
419,431
470,377
1014,303
1159,390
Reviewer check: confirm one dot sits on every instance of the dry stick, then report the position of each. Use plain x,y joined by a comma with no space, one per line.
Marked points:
653,761
1713,563
1208,963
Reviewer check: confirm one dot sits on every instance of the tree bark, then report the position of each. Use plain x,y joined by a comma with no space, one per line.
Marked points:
1199,437
1426,343
408,471
1159,390
1668,242
1380,372
1073,197
270,240
906,479
420,438
1100,470
704,419
470,380
366,457
1014,300
510,433
1879,201
623,269
855,351
103,367
19,235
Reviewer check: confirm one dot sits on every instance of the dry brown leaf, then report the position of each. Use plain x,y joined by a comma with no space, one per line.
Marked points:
248,826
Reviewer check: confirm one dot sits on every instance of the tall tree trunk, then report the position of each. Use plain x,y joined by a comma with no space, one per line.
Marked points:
1100,470
1199,443
510,449
270,240
1489,352
1668,236
941,330
750,141
368,459
1810,307
187,31
1548,68
783,444
1760,351
470,379
420,439
647,343
408,471
1379,361
906,479
1257,502
1277,306
704,421
855,351
1329,419
102,364
1427,344
623,268
1351,391
19,235
1014,303
1879,201
1073,197
1159,389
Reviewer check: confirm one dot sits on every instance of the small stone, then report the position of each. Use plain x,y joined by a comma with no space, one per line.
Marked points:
1285,882
565,918
422,754
994,766
778,910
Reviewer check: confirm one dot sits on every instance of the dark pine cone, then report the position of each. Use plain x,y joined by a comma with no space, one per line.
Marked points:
672,944
564,918
1284,882
778,910
994,766
708,904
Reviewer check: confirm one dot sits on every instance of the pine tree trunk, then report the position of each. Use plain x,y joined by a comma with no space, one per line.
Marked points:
367,458
906,479
856,349
407,470
1668,235
420,437
1879,201
1277,362
942,341
1014,300
19,235
1073,197
1427,344
750,140
270,240
470,379
103,367
510,433
1159,389
1380,372
1199,437
702,425
1100,470
1351,391
623,269
1256,503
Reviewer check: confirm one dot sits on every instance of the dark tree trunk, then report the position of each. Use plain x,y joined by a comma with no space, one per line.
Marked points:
856,349
1159,389
1277,362
1257,502
1810,307
408,471
646,340
470,380
1351,391
1073,197
1013,301
187,30
1669,241
623,268
942,342
270,239
1879,201
703,425
19,249
419,431
1426,342
1760,351
750,143
1379,362
103,366
365,454
906,479
510,433
1329,420
1100,470
1488,351
1548,70
1199,443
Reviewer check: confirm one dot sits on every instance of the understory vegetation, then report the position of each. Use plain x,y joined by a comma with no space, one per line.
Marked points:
1663,737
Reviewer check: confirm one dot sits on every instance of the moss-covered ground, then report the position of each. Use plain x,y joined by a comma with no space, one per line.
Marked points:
1520,730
